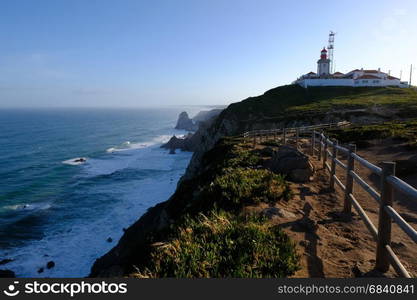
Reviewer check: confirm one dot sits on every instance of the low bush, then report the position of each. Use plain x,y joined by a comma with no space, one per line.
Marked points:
239,187
222,245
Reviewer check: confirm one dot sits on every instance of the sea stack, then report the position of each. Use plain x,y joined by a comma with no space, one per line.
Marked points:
184,122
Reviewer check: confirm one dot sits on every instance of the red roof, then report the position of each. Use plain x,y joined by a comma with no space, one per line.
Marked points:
311,73
368,77
371,71
338,73
392,77
324,50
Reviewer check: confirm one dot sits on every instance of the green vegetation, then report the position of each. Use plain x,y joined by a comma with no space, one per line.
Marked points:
404,131
223,245
271,143
294,103
215,238
238,187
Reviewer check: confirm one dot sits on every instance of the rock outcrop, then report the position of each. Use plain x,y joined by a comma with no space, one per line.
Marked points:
292,163
186,143
7,274
185,123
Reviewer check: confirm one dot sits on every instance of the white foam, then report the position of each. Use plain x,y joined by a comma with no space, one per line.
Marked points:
126,146
28,206
75,161
74,245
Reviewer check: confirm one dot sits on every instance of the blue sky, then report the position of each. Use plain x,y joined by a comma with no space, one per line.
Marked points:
156,53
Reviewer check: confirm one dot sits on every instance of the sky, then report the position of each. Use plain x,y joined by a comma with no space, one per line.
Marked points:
128,53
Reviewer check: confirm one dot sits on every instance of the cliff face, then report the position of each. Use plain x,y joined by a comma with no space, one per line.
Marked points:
286,106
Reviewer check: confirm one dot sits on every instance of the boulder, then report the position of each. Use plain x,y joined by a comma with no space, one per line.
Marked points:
267,151
50,264
292,163
184,122
273,212
7,274
5,261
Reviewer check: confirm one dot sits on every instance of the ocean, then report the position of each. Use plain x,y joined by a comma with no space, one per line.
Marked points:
52,209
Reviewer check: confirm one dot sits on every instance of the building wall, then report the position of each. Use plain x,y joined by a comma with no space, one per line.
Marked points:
325,82
349,82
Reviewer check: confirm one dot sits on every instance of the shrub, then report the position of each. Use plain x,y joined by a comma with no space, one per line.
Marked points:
271,143
223,245
238,187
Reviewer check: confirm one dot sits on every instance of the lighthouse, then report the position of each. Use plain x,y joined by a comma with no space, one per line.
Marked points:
323,64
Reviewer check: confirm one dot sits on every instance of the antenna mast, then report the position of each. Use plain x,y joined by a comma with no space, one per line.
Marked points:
411,74
330,49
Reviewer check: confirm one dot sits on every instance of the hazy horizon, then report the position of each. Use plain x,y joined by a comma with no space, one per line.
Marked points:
162,53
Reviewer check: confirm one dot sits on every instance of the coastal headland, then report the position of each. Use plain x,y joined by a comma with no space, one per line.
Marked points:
238,211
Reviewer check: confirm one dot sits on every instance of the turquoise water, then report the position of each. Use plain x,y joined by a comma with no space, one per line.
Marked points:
51,209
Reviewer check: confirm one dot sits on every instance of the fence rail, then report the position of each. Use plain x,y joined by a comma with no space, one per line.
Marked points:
329,150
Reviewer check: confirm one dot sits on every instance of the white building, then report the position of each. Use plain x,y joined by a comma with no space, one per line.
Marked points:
355,78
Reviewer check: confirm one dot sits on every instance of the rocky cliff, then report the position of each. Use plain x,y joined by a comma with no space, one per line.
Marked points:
280,107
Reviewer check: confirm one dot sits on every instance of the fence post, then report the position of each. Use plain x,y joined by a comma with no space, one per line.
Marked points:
347,207
297,136
384,223
284,136
320,145
313,142
254,138
333,165
325,154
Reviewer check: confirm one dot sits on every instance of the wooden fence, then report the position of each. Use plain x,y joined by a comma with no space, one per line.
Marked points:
329,150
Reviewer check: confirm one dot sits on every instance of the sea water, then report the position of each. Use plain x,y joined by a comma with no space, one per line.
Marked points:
52,209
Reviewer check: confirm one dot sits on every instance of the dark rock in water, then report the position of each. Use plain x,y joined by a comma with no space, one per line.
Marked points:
7,274
124,229
40,270
5,261
187,143
50,264
109,240
174,143
291,162
172,151
184,122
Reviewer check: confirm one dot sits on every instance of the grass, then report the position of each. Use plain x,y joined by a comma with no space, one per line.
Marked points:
222,245
294,103
238,187
405,131
271,143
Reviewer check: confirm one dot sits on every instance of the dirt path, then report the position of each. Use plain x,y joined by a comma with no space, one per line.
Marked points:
331,245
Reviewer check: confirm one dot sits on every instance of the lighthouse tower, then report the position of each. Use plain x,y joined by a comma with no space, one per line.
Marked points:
323,64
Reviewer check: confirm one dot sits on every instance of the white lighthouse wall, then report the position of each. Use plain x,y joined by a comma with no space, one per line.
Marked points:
326,82
349,82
